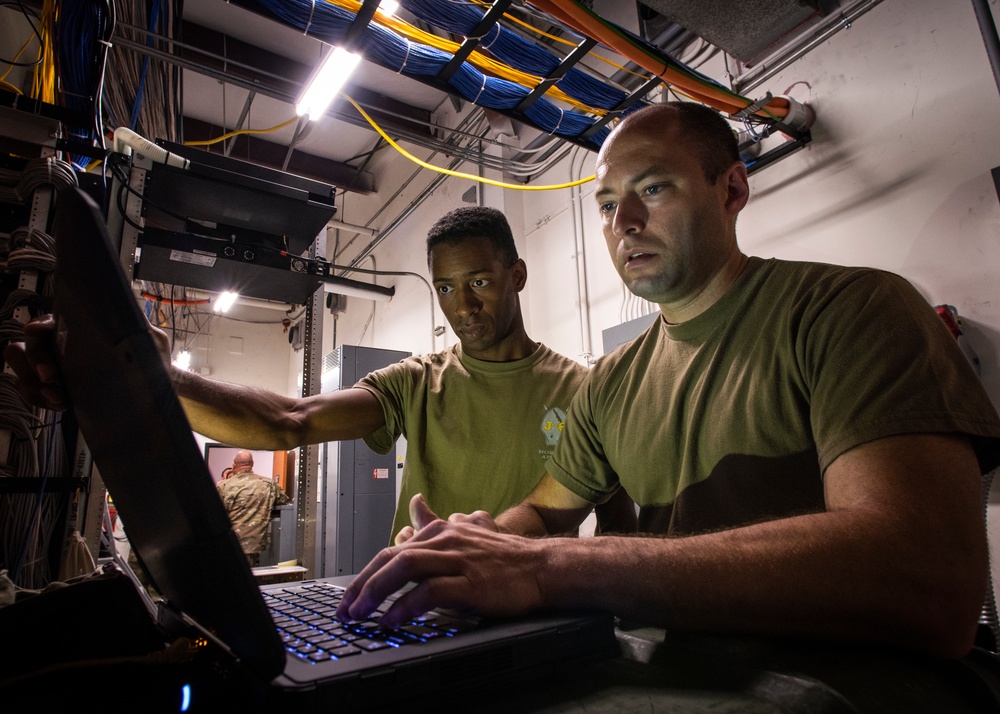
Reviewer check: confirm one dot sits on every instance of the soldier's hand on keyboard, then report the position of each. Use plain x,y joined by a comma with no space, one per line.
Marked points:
421,515
462,564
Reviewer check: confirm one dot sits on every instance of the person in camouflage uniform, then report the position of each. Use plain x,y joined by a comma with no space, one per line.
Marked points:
249,498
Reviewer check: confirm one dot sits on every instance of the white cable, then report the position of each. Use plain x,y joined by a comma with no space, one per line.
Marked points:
126,141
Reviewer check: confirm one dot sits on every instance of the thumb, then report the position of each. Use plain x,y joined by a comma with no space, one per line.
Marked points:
420,513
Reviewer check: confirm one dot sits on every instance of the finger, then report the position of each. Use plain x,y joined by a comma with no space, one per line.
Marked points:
405,533
386,576
28,385
442,592
420,513
476,518
161,340
17,359
40,348
354,590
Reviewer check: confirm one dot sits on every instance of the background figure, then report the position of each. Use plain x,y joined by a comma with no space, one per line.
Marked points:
249,499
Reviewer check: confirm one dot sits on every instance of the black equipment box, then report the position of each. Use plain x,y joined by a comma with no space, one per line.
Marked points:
216,189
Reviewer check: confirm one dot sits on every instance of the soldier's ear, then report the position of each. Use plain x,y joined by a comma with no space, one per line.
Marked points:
519,274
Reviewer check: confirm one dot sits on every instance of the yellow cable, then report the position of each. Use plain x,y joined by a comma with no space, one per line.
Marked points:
478,59
240,131
458,174
11,87
43,85
16,57
531,28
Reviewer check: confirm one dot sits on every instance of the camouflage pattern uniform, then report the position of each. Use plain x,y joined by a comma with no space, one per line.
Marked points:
249,498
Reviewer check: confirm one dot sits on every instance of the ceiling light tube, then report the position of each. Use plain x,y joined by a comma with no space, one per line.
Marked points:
325,81
225,301
356,288
183,360
342,226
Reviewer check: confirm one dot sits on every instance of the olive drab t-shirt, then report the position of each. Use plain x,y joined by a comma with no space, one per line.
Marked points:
732,417
477,433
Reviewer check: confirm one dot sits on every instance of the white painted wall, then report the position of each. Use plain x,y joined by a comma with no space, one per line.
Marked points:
245,346
897,177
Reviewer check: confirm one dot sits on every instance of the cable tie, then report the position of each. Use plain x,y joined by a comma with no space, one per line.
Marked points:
562,113
753,107
310,20
476,100
107,43
406,58
497,37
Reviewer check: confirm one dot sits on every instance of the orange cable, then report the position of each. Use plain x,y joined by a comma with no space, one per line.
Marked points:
171,301
578,19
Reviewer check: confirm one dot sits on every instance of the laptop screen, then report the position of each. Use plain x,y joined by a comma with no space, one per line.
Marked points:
142,444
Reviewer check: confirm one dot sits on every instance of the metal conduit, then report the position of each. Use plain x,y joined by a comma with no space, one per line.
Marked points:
988,29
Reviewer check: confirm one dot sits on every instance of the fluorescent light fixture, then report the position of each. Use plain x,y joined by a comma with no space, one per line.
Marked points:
225,301
183,360
325,82
388,7
356,288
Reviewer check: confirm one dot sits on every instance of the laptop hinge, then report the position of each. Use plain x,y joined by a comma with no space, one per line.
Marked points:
177,624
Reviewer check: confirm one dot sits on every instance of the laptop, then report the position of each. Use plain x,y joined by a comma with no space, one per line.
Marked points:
146,454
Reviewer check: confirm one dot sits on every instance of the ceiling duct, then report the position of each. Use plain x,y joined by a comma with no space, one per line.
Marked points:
748,30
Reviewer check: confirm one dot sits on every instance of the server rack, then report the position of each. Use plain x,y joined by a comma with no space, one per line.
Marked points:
357,495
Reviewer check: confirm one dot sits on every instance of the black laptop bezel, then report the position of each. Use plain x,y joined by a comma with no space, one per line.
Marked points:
110,365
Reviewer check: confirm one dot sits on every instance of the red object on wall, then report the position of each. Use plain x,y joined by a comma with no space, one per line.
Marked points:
949,319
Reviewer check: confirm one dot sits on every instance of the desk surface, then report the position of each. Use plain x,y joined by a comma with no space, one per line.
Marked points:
270,574
724,675
656,672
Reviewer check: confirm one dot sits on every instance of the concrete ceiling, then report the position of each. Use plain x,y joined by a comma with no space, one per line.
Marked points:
244,70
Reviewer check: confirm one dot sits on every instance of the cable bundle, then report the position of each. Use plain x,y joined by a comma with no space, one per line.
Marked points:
382,46
23,237
516,51
48,171
82,36
31,250
17,417
485,91
680,77
141,91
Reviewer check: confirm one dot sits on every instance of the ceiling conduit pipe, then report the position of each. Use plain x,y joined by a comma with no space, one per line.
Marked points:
797,49
472,118
988,29
580,255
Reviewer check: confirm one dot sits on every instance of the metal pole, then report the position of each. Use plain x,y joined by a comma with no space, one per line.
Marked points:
988,29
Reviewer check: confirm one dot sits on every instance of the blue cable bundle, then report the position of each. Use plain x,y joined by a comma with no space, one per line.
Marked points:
80,29
382,46
512,49
153,17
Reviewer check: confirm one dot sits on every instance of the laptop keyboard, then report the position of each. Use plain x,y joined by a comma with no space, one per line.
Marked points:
304,616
